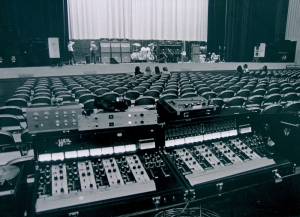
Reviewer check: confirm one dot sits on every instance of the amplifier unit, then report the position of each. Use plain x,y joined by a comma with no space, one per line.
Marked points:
134,116
186,108
52,118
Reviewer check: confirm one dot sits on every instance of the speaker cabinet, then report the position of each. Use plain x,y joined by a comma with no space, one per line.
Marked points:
105,46
105,57
116,56
195,58
126,58
125,47
115,47
195,49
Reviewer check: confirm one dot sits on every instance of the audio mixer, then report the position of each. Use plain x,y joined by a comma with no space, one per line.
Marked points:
99,171
222,154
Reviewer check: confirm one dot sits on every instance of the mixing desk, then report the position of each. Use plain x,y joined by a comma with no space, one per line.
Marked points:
222,154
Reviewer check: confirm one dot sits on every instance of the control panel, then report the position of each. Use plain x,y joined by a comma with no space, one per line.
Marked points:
52,118
74,182
134,116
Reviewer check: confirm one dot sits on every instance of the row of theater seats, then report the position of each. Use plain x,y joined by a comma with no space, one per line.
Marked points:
280,75
263,95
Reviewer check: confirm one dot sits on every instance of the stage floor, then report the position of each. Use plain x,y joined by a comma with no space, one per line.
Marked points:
85,69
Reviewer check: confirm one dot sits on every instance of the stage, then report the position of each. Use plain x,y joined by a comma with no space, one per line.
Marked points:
88,69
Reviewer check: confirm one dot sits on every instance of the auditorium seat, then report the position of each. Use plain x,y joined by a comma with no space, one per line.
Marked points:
153,93
72,86
273,90
172,91
287,90
254,101
261,86
249,87
58,89
57,94
297,89
288,97
218,101
79,93
187,90
111,87
83,98
254,109
94,88
271,99
89,104
41,100
46,94
234,88
140,89
111,96
168,96
235,102
7,142
209,95
291,107
78,88
272,109
144,100
156,87
121,90
11,110
219,89
203,90
11,123
120,84
19,102
259,91
103,84
21,96
188,95
23,91
88,85
145,84
101,91
226,94
132,94
66,97
243,93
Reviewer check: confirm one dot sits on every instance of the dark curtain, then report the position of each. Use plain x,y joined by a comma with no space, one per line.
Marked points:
27,25
243,24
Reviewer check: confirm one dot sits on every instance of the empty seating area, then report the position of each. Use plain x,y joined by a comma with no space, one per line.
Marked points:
276,93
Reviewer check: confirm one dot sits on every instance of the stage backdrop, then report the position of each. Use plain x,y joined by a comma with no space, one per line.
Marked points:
138,19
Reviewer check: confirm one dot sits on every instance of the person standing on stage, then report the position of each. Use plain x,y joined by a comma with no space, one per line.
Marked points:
93,49
72,59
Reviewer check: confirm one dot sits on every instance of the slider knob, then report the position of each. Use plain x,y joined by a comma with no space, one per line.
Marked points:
61,176
114,170
60,166
142,172
41,180
88,173
55,178
62,190
91,185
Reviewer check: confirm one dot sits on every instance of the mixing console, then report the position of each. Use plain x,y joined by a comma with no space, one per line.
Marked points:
81,182
212,160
